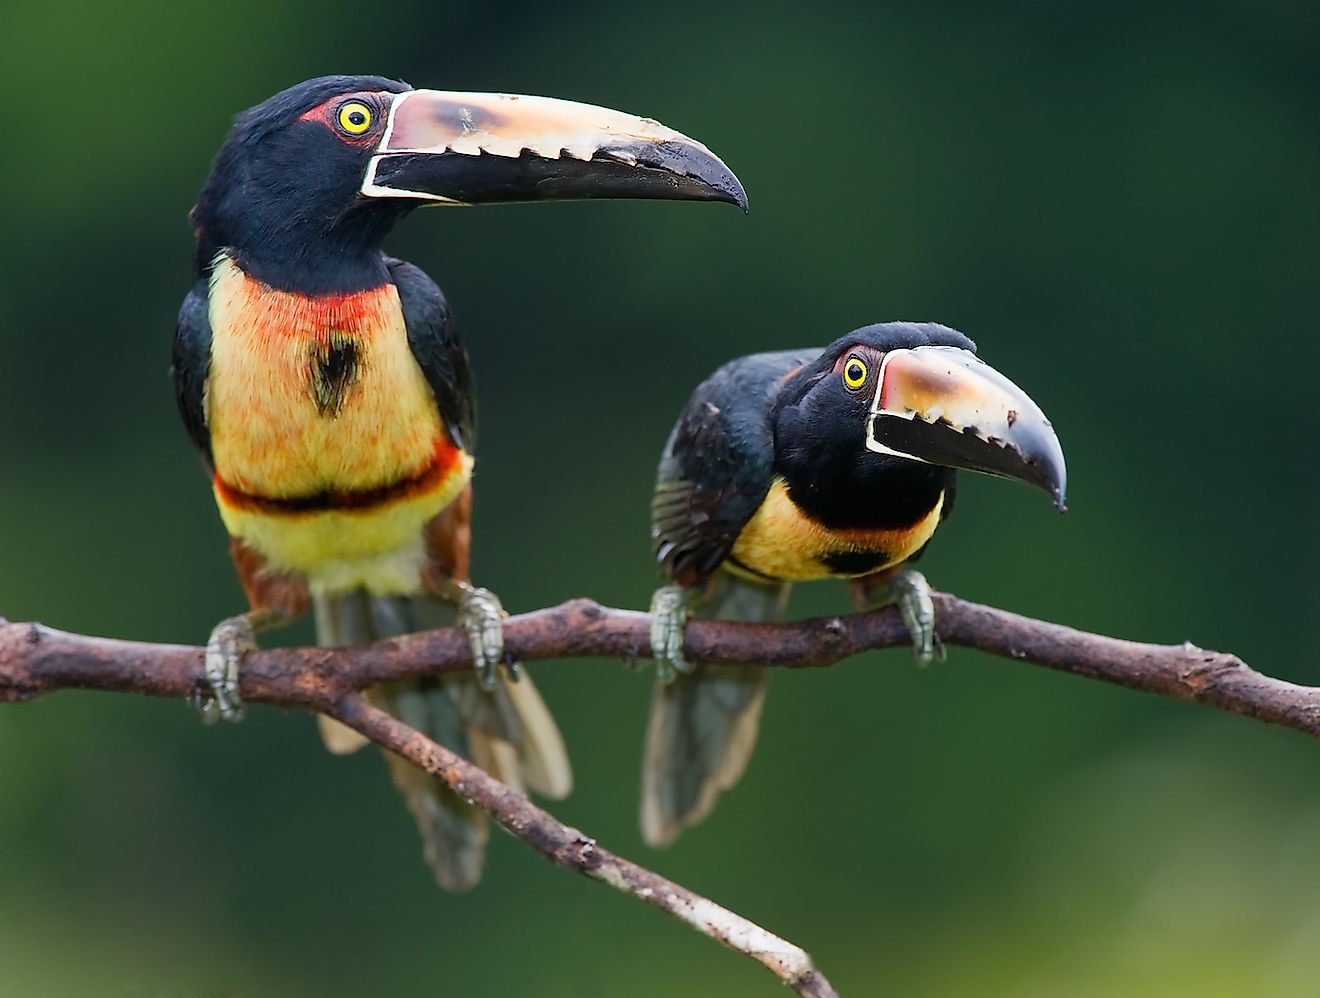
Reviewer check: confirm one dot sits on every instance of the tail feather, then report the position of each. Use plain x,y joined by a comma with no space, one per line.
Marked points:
703,726
699,739
341,621
339,739
542,757
508,732
454,833
498,758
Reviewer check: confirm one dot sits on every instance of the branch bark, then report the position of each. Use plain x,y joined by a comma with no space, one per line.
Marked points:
36,660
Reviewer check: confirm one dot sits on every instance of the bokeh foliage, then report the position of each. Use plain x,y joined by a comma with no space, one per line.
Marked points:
1118,201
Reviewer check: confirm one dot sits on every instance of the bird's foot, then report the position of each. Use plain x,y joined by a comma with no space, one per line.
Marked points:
911,592
669,615
230,641
481,615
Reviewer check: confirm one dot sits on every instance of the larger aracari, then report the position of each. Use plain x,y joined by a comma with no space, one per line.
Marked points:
800,465
331,398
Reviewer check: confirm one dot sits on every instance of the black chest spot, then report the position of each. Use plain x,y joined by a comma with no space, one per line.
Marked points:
333,368
854,562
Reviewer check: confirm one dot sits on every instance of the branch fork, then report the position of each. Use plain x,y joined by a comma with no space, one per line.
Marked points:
36,660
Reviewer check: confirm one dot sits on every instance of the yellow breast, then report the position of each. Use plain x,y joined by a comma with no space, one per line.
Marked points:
780,542
330,455
309,394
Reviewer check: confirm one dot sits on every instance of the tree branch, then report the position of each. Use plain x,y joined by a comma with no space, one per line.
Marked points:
35,660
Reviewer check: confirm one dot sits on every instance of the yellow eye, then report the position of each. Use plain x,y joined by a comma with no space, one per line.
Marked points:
355,117
854,373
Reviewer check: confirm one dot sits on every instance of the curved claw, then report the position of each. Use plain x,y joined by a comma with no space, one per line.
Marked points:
668,620
230,641
205,706
482,616
910,590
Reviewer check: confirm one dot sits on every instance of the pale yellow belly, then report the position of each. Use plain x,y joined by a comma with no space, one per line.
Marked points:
381,548
780,543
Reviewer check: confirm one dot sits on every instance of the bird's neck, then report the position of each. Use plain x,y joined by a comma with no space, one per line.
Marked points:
302,252
311,266
840,484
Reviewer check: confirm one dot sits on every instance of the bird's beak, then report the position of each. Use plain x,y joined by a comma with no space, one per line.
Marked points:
943,406
446,147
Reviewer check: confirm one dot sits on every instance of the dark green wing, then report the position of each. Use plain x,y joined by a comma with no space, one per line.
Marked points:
191,365
439,351
718,464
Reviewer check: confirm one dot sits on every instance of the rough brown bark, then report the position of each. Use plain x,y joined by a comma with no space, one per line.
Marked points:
36,660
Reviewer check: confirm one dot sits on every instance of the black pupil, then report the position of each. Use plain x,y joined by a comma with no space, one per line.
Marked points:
357,118
855,371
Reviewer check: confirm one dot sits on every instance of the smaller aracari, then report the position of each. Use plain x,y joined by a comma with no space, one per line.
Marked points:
810,464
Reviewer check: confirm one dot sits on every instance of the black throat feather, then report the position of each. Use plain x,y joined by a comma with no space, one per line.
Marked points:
836,481
283,198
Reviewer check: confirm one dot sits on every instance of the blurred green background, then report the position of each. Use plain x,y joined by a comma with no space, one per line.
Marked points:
1119,202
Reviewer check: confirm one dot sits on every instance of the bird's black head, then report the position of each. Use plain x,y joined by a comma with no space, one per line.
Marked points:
820,432
309,182
870,432
284,191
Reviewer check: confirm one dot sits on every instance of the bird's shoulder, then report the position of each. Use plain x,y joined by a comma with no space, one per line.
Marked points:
718,464
190,366
438,349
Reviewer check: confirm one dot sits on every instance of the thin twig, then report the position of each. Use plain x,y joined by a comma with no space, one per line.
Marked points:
572,850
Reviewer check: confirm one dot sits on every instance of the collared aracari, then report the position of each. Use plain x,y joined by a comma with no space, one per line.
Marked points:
810,464
330,395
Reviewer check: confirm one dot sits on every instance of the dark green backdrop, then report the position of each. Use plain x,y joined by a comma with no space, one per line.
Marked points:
1119,203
